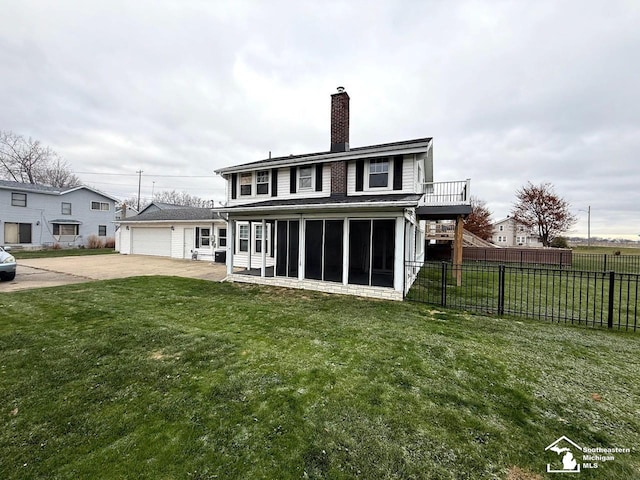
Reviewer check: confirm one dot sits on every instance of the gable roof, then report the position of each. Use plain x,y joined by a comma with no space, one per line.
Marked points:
48,190
407,146
183,214
163,206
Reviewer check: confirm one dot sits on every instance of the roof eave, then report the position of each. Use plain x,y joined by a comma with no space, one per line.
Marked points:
417,147
323,206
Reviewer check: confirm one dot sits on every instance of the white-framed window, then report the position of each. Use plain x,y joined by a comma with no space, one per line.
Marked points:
65,229
222,237
246,180
262,182
65,208
305,178
103,206
378,173
501,228
203,237
102,230
243,238
18,199
257,248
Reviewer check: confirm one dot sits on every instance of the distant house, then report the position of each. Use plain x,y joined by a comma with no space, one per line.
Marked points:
347,220
40,216
174,231
124,211
509,233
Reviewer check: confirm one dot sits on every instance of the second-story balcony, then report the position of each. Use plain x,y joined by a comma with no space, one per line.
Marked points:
445,200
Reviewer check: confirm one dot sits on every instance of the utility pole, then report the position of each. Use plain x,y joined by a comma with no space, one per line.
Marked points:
589,226
153,189
139,172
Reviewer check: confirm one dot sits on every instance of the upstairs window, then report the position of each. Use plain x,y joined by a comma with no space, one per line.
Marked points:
104,206
245,183
378,173
66,208
18,199
305,178
262,182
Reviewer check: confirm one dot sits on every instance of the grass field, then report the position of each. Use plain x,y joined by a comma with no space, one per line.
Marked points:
165,378
63,252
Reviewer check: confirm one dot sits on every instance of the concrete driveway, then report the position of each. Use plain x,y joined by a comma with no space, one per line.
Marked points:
49,272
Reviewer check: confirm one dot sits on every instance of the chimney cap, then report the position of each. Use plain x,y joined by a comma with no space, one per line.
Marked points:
340,89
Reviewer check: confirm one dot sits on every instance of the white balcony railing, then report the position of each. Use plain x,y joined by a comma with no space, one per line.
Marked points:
447,193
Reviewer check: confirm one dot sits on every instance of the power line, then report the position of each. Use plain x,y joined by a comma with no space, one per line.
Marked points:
148,175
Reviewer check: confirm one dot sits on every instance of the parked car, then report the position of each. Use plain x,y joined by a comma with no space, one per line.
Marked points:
7,264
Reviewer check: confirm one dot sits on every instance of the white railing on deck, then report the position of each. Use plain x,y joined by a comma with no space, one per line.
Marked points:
447,193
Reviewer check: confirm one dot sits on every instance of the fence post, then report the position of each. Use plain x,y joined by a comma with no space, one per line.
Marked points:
612,280
443,290
604,269
501,271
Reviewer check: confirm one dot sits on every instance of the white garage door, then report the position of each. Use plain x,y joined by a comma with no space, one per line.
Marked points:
151,241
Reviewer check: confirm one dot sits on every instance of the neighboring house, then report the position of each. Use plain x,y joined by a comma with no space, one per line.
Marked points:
509,233
124,211
348,220
180,232
42,216
155,206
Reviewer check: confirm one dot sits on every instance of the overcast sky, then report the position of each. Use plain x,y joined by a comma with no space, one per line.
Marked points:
511,91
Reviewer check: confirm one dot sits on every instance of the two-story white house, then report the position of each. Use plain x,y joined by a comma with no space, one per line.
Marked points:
39,215
510,233
346,220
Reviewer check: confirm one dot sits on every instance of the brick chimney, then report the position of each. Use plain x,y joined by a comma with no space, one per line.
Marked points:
340,121
339,140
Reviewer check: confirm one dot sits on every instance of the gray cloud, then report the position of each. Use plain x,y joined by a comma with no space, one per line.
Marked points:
511,91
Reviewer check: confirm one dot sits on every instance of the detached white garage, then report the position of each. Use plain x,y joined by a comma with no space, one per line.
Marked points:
151,241
178,232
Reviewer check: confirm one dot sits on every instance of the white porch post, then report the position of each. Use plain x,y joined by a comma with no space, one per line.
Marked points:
398,266
231,244
301,249
250,245
345,252
263,240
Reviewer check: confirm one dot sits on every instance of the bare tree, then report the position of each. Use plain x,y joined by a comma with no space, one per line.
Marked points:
540,208
29,161
57,174
181,198
479,220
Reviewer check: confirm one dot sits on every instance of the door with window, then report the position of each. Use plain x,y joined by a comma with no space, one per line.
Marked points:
17,232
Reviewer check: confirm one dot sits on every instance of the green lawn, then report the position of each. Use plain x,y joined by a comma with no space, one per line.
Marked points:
63,252
172,378
607,250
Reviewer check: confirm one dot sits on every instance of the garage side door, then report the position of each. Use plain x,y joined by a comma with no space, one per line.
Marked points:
151,241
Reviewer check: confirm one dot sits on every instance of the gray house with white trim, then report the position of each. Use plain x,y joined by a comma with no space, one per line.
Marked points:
38,216
348,220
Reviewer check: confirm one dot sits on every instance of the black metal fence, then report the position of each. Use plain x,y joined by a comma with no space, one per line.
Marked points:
604,299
